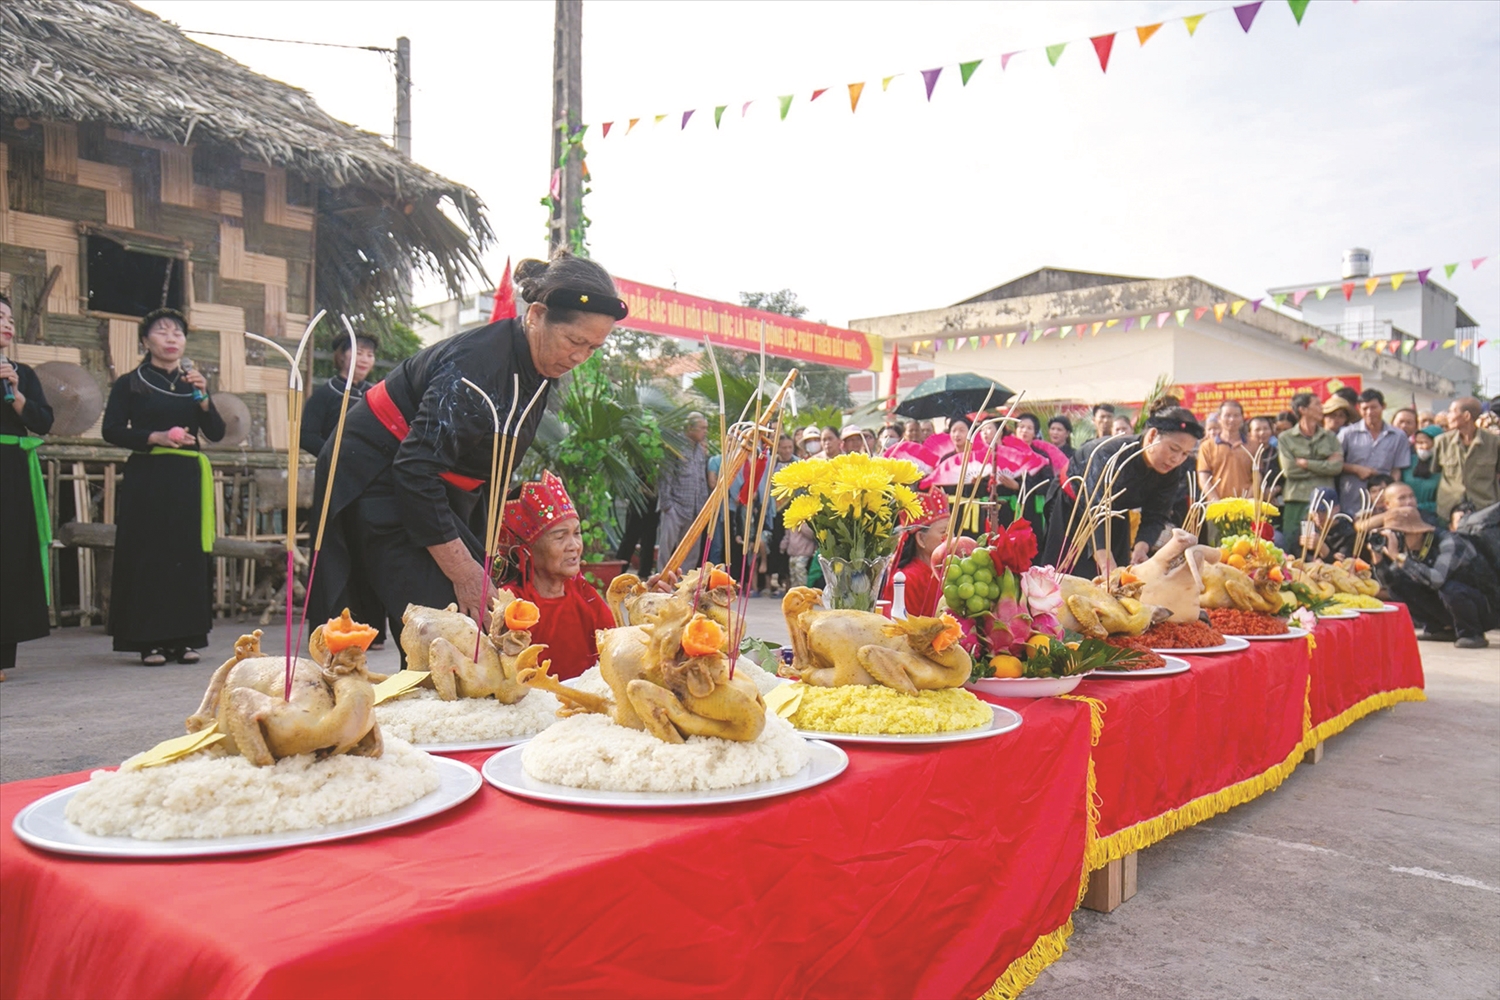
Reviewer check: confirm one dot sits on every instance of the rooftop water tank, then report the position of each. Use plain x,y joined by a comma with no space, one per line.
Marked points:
1357,262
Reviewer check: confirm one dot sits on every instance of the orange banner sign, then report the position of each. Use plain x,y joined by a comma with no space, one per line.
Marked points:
1260,397
672,314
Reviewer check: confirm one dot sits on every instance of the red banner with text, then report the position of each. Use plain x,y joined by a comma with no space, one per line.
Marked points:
672,314
1260,397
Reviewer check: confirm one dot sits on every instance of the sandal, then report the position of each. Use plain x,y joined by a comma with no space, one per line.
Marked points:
188,656
154,658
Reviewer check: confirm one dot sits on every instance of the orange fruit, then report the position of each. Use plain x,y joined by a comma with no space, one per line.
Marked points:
1242,547
1005,665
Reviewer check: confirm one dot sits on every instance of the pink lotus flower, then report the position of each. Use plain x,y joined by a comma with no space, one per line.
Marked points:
1041,590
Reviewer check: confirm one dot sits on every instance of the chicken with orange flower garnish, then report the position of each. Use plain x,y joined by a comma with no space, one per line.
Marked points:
669,677
835,648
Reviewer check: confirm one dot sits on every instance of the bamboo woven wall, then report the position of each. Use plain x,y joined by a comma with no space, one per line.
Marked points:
247,250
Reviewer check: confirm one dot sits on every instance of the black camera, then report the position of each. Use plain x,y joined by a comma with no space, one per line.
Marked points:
1376,542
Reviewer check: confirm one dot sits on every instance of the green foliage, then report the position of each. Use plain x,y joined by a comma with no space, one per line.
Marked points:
396,340
783,302
820,417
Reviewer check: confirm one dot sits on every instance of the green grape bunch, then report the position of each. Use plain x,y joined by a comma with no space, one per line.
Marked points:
970,587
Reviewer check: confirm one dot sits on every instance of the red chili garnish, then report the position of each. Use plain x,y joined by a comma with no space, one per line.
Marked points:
1182,635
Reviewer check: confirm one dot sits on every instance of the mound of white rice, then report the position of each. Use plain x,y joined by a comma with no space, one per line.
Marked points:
592,682
421,717
590,751
213,794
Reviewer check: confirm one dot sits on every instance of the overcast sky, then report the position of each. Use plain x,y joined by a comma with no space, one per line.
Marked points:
1248,160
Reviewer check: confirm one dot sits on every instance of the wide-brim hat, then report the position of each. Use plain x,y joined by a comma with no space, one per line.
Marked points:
1406,519
1335,403
809,434
851,430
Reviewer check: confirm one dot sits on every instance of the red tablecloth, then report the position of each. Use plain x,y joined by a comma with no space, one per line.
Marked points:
915,873
1176,750
1361,665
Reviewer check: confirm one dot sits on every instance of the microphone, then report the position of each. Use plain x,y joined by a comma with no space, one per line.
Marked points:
198,394
10,393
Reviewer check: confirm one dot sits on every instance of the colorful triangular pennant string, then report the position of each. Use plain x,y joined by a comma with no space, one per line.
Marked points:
973,342
1161,319
1371,284
1246,13
937,346
1182,317
1422,345
1477,261
1061,336
1322,290
786,104
1004,62
1422,275
1348,288
1192,22
1448,269
1396,280
1297,297
1145,31
855,89
633,123
1255,303
1010,338
1219,309
1448,343
1025,335
719,114
885,82
1198,312
606,127
660,119
930,78
1094,330
1236,306
1111,322
1054,52
1407,345
1299,7
1129,322
817,94
685,116
984,341
745,109
1103,44
966,70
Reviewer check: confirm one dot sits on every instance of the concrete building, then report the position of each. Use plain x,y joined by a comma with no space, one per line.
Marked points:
1116,357
452,316
1406,308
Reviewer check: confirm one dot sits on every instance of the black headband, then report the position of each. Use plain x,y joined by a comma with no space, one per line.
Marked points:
1176,425
589,302
151,317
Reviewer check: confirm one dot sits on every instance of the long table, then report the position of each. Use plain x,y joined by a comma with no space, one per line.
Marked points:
947,871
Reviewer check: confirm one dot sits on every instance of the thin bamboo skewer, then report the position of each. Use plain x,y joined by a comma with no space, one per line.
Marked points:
963,467
333,465
705,565
510,461
489,504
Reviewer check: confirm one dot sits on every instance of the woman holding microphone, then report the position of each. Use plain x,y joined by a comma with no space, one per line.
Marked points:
159,599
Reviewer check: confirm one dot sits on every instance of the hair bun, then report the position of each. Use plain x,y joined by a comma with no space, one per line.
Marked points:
528,277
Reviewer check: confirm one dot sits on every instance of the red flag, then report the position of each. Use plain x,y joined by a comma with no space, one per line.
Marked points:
1102,46
895,377
505,297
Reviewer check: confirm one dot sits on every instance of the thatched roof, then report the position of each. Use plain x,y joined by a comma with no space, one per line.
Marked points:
111,62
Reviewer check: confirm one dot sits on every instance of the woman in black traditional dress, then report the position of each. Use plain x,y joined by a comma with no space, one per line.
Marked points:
27,532
416,450
159,601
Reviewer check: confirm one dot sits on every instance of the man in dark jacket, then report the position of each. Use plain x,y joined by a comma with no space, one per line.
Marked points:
1440,576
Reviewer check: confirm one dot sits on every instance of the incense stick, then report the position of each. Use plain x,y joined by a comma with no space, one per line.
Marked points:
489,512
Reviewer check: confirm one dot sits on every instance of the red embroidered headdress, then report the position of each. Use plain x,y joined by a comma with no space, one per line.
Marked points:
934,508
539,507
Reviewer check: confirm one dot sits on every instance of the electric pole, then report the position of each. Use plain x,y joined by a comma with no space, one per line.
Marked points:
403,95
567,117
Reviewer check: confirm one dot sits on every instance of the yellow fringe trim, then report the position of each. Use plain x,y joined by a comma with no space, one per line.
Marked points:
1147,832
1023,971
1092,801
1352,714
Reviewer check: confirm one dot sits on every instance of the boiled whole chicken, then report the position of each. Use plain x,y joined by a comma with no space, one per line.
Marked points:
834,648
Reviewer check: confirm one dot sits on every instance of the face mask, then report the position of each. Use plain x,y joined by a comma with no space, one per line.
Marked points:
813,447
1424,453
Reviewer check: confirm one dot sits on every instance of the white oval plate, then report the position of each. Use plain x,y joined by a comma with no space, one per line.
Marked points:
1292,632
1026,687
43,825
1004,721
1384,609
1175,665
1351,613
496,744
505,772
1231,644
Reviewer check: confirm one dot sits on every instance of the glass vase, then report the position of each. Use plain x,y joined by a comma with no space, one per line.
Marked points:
852,584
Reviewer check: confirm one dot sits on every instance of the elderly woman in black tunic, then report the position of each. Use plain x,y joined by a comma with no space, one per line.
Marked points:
160,605
27,531
1148,477
416,450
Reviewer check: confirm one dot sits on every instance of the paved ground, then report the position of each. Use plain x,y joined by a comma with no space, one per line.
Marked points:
1374,874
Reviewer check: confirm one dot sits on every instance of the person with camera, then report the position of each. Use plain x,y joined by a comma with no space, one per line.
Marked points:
1440,576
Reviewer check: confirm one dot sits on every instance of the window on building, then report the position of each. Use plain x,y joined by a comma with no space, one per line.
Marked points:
131,282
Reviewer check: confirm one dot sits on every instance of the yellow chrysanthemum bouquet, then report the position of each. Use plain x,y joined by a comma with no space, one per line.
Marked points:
853,504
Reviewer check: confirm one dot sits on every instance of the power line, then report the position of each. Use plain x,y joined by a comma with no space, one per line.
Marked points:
289,41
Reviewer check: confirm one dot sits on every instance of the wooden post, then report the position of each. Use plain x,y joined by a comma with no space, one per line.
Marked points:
1111,885
1315,755
567,116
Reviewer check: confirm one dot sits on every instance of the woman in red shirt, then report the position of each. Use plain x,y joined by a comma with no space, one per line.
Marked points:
914,558
545,543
